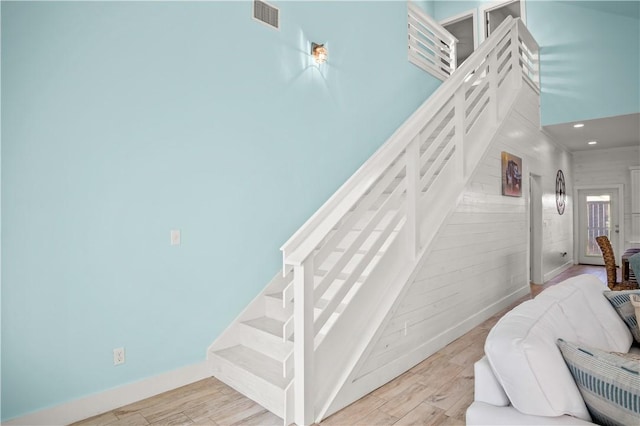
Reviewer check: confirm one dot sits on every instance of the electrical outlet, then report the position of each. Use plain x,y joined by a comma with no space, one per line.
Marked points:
118,356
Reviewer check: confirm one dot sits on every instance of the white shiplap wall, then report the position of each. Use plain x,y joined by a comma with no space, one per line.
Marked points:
608,166
479,260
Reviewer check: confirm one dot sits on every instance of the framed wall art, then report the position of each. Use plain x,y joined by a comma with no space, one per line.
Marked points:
511,175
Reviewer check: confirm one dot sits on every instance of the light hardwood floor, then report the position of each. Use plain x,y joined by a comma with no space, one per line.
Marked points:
435,392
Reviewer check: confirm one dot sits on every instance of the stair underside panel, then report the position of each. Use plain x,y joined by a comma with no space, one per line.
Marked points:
383,358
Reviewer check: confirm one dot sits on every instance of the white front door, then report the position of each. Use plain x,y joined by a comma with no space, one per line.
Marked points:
597,215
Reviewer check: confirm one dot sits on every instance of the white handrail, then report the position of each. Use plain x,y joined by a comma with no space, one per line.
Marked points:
533,70
434,25
309,236
527,37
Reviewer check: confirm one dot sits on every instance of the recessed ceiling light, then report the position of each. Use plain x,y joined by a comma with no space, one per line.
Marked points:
592,142
578,125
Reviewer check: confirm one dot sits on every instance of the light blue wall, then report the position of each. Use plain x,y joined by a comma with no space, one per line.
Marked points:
122,121
590,55
428,6
590,59
446,9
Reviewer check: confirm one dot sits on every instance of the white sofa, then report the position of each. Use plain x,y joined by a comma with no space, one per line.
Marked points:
523,379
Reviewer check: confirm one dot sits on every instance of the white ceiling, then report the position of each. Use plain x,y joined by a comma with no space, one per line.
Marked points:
610,132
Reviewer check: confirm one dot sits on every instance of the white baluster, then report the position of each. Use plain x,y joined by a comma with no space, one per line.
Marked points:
493,86
536,66
459,117
412,156
515,57
453,55
303,342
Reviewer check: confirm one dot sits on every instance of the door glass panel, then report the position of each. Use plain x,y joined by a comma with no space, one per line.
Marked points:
598,221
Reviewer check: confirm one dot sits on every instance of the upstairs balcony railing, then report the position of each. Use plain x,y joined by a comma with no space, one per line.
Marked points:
431,47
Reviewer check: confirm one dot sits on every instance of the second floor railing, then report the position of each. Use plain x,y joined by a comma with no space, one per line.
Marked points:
431,47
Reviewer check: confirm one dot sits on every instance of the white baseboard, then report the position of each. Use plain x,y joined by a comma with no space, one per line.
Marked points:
560,269
89,406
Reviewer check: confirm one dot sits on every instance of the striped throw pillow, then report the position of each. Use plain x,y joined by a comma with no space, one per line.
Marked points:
635,302
608,382
622,303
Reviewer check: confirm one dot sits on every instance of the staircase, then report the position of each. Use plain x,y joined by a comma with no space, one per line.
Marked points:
296,344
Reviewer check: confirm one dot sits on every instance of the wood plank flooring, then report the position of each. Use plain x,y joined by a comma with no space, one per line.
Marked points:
435,392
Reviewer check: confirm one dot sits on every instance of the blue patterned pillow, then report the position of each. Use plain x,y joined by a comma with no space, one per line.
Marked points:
608,382
622,303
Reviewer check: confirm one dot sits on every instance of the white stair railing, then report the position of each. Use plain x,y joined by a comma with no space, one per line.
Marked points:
383,210
431,47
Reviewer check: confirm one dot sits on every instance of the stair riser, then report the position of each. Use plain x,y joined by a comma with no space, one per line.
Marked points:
273,309
264,342
264,393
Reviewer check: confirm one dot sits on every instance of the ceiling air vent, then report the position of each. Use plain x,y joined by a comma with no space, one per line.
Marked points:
266,13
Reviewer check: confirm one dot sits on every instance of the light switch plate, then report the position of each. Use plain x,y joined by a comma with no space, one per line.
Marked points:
175,237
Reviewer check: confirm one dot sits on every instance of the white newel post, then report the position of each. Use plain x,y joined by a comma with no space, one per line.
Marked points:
459,116
453,55
515,53
538,70
493,87
303,348
536,66
412,155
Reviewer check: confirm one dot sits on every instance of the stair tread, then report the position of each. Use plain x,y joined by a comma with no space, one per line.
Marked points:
266,324
321,304
255,363
277,295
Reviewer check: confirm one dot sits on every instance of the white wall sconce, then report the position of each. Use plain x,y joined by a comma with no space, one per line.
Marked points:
319,53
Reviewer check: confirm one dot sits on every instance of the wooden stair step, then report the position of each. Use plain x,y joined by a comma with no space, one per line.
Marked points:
267,325
273,307
251,373
264,335
260,365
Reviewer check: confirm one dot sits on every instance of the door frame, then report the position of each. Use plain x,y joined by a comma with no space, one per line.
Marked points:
462,16
618,251
488,7
536,274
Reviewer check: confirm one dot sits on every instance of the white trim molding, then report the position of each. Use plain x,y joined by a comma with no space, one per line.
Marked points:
560,269
486,7
462,16
92,405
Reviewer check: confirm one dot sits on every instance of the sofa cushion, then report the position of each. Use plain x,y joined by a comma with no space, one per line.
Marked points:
523,354
608,382
635,301
621,301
